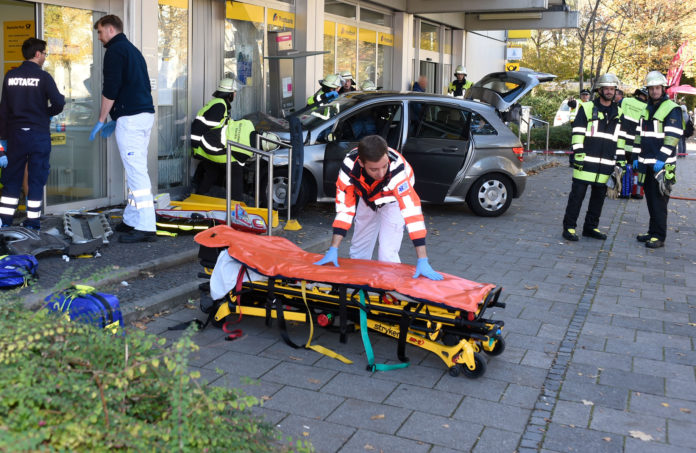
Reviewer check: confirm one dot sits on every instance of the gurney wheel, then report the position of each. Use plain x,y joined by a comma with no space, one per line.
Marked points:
479,370
455,370
497,349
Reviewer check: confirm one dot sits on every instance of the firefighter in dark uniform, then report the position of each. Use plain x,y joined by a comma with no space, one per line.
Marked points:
328,91
660,130
348,83
598,146
459,85
210,131
29,99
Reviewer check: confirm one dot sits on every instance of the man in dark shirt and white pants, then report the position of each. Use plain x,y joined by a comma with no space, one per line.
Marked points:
29,98
126,97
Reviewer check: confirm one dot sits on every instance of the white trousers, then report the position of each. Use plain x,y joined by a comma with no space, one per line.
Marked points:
387,223
132,137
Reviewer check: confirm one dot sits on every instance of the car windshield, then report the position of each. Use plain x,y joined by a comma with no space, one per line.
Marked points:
507,87
322,112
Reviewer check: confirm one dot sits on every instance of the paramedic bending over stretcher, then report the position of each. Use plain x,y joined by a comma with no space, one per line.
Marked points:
375,185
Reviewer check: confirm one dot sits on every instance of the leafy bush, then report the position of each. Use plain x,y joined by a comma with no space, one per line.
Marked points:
545,104
559,137
70,387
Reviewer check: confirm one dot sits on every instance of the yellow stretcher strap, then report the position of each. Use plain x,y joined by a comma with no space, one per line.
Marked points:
320,349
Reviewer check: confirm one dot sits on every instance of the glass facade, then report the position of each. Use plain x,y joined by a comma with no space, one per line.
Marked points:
330,45
78,166
172,94
346,56
366,52
243,56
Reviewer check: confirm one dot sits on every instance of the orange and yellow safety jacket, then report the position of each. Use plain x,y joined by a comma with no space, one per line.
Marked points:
396,186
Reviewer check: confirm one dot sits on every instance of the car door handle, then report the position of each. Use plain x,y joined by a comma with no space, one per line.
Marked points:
450,149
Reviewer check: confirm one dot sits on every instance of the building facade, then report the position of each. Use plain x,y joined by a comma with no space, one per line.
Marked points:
190,44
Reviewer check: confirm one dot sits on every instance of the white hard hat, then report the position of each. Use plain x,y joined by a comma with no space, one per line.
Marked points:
655,78
460,70
331,81
608,80
227,85
368,85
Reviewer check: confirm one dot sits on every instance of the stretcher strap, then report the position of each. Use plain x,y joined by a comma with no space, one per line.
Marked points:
371,365
271,302
318,348
343,314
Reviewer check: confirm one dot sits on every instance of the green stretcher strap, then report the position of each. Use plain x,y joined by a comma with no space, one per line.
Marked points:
371,365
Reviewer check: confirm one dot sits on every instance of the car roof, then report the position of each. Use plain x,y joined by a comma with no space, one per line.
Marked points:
417,96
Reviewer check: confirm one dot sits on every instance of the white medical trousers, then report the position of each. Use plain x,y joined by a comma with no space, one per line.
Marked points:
387,223
132,137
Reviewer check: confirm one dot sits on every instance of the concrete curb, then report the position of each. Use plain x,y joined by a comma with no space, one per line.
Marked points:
36,300
175,296
160,302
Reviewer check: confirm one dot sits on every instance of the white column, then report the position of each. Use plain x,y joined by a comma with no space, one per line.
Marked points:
458,48
309,36
402,75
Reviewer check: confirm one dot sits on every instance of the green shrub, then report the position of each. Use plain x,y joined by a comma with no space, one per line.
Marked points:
545,104
70,387
559,137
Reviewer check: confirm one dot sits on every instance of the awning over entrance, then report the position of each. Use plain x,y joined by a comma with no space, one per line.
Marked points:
476,15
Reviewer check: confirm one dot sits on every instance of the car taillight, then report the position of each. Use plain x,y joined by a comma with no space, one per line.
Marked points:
519,152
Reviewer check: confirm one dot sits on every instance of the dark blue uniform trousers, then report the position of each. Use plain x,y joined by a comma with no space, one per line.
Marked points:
34,149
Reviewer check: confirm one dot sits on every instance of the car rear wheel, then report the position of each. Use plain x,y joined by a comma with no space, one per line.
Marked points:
490,195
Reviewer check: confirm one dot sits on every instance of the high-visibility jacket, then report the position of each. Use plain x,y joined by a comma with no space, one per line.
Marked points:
241,131
318,98
211,116
574,112
396,186
661,127
458,88
598,142
632,109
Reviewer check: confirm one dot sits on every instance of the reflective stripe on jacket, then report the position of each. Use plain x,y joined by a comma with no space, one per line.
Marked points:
632,109
215,141
597,142
458,88
396,186
660,132
211,116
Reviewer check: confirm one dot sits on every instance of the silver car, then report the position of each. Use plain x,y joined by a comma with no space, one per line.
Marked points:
460,149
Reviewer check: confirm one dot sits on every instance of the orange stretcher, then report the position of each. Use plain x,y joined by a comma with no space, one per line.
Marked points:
444,317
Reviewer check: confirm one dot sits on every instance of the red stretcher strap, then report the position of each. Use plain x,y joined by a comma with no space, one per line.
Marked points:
274,256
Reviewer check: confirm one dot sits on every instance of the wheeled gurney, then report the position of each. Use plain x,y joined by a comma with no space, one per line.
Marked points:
271,277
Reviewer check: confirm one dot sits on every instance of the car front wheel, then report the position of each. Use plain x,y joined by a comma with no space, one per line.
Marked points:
490,195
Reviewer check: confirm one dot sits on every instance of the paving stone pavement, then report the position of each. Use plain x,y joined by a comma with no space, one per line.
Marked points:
600,342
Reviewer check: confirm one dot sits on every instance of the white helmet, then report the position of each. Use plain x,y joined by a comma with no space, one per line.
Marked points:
460,70
346,75
655,78
227,85
368,85
608,80
331,81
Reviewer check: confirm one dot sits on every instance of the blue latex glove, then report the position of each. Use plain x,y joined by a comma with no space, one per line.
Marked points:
330,257
108,129
3,143
635,164
331,95
659,165
95,130
423,268
3,161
